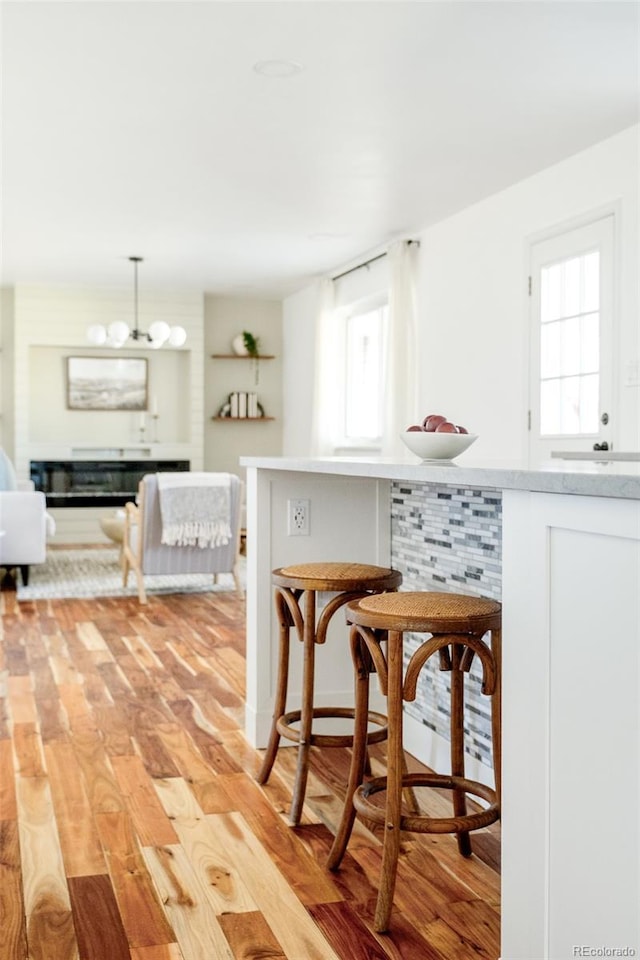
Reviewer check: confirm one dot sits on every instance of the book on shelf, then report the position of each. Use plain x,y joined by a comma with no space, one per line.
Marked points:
243,405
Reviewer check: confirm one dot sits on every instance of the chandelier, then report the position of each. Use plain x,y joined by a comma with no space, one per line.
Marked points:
118,332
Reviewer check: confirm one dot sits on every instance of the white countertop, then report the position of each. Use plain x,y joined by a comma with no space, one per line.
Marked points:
595,455
592,479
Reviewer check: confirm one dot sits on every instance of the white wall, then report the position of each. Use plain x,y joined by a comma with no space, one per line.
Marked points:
298,333
49,324
6,369
51,422
41,326
473,303
226,442
473,294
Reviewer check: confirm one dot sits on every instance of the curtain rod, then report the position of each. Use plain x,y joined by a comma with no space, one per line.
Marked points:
367,263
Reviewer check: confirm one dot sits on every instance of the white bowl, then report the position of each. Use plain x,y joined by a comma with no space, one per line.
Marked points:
437,446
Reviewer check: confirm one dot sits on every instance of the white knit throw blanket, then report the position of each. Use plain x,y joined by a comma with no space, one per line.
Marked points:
195,509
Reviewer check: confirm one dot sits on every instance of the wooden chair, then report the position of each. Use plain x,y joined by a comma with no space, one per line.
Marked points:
296,590
457,625
143,550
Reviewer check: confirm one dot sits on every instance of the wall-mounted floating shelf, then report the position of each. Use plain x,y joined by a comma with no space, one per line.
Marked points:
242,356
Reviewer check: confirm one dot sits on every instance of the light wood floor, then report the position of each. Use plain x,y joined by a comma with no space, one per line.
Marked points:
131,825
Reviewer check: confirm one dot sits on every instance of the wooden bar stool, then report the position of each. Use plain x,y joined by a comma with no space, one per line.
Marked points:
457,624
348,581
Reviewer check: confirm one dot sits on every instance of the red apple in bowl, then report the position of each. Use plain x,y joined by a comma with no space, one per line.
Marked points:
446,427
437,444
414,427
431,422
461,429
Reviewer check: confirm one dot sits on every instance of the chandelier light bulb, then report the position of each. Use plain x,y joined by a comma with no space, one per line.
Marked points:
97,335
177,336
118,332
159,332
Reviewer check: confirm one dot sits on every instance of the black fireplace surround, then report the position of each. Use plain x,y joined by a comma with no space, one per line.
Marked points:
95,483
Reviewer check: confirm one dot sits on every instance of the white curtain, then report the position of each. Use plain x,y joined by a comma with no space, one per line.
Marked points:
324,415
401,353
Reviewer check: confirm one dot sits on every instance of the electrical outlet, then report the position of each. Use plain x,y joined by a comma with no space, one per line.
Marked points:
298,518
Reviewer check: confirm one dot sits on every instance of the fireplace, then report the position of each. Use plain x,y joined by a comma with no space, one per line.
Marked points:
95,483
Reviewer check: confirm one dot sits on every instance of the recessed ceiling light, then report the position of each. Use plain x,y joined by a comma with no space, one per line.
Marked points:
277,68
328,236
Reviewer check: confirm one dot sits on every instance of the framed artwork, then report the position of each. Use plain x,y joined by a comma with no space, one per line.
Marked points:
106,383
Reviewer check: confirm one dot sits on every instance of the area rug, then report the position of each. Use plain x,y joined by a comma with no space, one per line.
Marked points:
97,573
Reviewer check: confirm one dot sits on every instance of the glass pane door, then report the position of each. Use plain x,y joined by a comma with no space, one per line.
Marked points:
571,317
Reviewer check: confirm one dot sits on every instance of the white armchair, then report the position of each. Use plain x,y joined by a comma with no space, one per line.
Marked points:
145,553
24,524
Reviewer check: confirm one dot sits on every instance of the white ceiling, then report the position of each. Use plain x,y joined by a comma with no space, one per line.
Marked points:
142,128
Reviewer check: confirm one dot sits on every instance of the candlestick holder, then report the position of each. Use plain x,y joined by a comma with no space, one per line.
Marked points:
155,419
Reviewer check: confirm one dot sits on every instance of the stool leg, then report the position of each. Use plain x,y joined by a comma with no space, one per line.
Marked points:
306,708
359,758
457,742
496,711
409,793
391,847
281,695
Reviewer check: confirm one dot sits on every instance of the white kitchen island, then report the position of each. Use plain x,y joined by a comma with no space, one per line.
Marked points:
568,576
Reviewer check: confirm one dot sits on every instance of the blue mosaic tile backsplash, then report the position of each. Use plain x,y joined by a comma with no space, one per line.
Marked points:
448,538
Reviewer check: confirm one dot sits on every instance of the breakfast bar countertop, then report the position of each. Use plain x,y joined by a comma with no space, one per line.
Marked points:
617,479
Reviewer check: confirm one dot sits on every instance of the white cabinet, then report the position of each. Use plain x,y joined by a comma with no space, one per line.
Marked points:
570,825
348,520
571,673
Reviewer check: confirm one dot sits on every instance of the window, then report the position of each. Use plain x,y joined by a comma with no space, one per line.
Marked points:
363,408
349,412
358,395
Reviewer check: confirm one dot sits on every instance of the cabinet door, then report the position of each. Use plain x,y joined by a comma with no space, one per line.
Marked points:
571,595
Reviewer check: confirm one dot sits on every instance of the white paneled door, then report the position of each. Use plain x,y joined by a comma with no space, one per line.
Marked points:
572,300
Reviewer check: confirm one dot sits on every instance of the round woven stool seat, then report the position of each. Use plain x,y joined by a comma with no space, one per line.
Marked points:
295,590
456,626
334,575
426,612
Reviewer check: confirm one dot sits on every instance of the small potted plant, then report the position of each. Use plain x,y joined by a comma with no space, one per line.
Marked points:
248,345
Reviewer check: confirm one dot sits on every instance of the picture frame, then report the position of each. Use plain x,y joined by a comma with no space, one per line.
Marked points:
107,383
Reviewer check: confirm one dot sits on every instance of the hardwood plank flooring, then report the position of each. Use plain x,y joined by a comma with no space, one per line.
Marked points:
131,825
